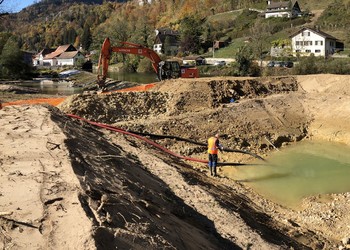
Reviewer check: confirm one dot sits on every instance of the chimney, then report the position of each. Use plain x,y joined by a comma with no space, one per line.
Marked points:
268,2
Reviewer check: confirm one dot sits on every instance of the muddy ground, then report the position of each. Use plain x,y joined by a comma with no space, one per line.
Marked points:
66,184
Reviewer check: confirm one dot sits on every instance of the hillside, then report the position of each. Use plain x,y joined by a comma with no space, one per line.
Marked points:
54,22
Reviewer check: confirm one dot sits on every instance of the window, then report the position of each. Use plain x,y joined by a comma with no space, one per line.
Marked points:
305,33
317,51
297,50
308,51
297,43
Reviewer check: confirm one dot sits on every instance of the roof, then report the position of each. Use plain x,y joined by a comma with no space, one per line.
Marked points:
60,50
46,51
167,31
276,5
68,55
318,32
163,33
282,5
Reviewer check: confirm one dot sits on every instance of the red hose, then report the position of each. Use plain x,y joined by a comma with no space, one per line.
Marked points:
119,130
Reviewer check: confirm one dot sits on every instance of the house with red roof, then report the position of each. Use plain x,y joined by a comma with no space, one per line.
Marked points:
62,56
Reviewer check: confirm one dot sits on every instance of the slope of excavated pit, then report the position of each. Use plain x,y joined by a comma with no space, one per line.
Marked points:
198,108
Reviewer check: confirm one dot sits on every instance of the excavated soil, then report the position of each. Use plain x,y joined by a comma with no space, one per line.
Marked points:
66,184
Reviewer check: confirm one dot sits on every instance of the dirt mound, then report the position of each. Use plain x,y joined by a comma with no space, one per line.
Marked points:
114,107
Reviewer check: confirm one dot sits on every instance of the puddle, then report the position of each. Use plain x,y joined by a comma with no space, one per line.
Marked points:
308,168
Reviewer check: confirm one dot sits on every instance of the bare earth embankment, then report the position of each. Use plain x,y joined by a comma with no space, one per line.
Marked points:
66,184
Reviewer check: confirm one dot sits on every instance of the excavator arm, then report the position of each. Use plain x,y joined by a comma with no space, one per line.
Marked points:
131,48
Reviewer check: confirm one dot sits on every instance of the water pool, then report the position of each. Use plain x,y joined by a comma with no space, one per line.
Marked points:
308,168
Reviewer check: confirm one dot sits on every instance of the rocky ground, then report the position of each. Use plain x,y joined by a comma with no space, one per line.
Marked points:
67,184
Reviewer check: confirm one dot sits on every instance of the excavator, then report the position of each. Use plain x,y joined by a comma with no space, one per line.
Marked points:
164,69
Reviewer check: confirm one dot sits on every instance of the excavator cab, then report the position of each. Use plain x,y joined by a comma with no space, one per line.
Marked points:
169,70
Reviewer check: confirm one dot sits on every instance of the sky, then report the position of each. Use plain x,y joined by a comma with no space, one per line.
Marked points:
14,6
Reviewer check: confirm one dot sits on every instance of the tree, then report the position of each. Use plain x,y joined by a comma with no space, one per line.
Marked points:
259,34
244,58
190,33
11,60
2,12
166,48
86,37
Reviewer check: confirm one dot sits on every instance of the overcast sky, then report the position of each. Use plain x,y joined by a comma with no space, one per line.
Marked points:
15,5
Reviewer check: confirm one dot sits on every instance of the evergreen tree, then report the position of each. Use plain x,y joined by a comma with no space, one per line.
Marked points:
190,33
86,37
244,59
166,48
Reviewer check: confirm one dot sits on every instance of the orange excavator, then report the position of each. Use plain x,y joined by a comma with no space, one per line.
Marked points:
163,69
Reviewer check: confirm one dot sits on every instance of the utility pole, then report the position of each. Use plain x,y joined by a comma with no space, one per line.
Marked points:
213,49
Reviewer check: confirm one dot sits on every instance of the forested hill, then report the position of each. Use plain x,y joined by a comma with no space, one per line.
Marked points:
50,23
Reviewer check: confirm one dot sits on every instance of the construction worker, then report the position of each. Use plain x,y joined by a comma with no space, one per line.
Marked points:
213,147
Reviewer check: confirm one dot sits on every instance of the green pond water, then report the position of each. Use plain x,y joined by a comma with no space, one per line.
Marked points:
306,169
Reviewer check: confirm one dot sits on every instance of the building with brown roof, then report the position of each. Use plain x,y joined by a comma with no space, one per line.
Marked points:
63,55
309,41
288,9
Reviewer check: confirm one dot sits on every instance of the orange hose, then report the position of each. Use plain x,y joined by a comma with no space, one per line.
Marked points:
140,88
51,101
57,101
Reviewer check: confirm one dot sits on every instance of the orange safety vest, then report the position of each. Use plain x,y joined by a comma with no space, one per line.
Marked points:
212,148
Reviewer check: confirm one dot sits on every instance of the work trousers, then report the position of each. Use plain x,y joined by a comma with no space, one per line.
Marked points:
213,161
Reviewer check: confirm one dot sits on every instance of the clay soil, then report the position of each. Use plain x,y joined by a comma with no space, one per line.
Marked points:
67,184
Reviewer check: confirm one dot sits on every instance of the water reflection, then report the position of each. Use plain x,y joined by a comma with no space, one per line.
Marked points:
134,77
309,168
62,87
52,87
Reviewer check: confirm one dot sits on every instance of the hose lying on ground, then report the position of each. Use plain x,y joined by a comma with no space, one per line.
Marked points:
119,130
194,142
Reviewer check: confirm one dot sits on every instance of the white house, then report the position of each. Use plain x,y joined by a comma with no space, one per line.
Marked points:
38,59
166,41
69,58
63,55
309,41
288,9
